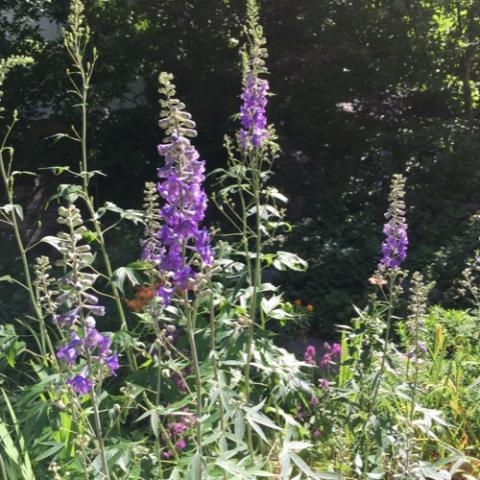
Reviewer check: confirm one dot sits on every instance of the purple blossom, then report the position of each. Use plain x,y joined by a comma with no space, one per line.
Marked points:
324,384
332,352
68,353
67,318
394,247
177,428
336,350
326,360
181,237
93,338
80,384
86,351
112,363
252,112
422,347
181,444
310,355
180,379
88,342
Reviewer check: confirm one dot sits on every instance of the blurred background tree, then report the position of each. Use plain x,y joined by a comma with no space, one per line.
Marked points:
363,89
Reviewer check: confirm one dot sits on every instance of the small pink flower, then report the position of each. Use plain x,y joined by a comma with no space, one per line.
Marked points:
180,444
310,355
324,384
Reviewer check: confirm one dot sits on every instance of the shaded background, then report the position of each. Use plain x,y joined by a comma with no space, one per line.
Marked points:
363,89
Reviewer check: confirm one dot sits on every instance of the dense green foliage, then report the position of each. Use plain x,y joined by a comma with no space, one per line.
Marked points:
366,87
143,339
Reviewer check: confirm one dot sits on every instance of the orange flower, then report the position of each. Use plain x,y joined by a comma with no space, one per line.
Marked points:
134,305
310,308
297,302
377,280
143,295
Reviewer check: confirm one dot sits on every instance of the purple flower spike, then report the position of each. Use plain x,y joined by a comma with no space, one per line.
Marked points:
252,112
181,247
80,384
394,247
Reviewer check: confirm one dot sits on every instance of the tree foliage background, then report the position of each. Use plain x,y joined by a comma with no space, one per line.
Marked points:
363,89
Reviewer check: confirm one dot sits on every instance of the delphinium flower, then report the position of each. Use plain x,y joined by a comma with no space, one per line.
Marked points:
253,117
394,248
86,353
183,249
254,129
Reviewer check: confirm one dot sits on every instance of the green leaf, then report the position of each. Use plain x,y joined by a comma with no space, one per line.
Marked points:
55,242
89,236
196,466
306,470
289,261
49,452
122,274
10,208
69,193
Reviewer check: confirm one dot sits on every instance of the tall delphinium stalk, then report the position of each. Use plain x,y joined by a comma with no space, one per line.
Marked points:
416,352
394,253
256,160
388,278
180,250
77,42
252,208
12,213
252,137
85,356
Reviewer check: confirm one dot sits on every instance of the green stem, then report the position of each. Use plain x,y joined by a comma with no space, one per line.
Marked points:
91,210
378,378
213,353
158,393
198,378
8,184
99,434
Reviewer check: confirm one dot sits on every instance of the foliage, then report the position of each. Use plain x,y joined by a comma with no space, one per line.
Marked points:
192,382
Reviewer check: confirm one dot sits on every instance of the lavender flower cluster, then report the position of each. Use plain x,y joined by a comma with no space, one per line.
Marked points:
331,355
183,248
253,132
394,248
87,353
